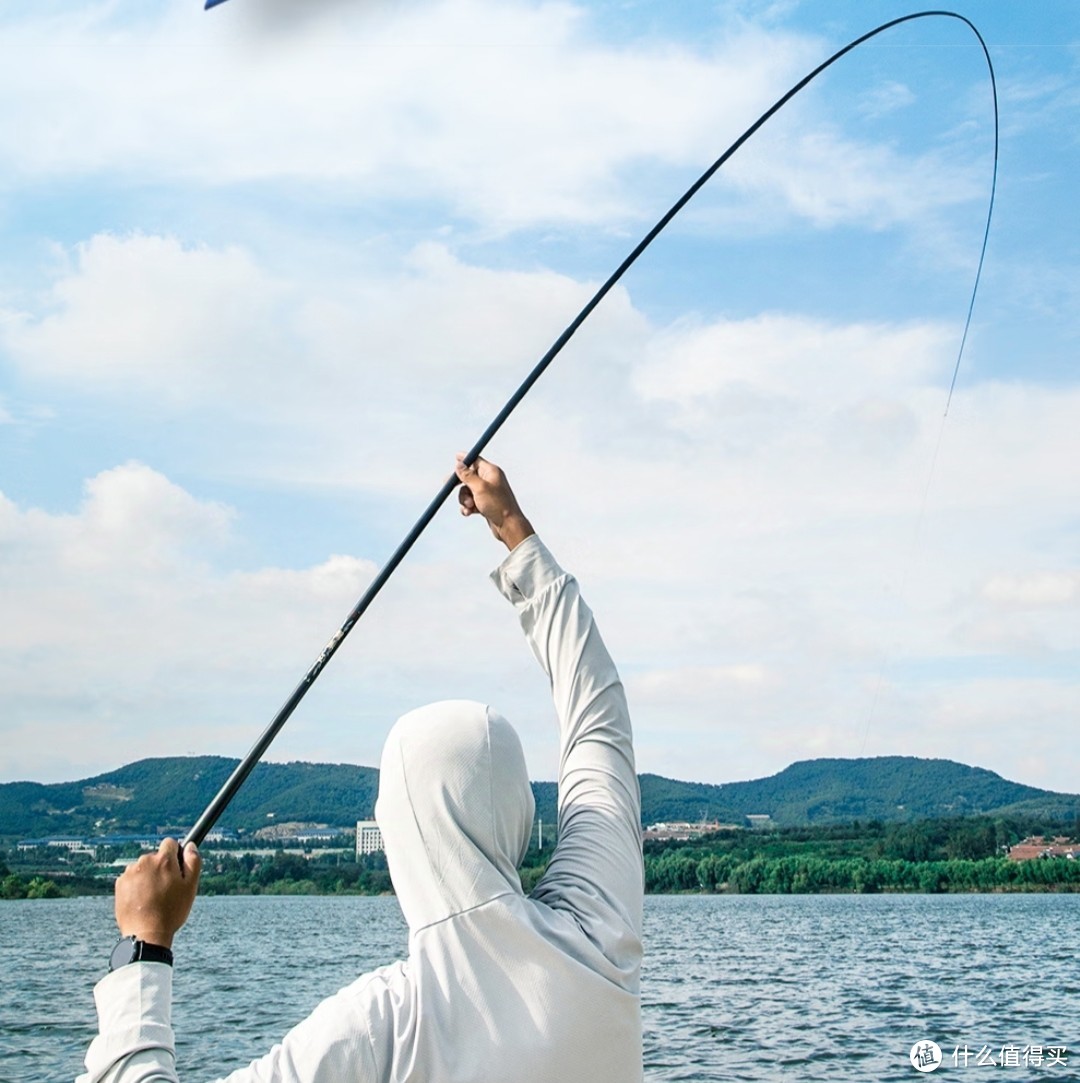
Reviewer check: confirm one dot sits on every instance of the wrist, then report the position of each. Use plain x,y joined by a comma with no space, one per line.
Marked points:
514,529
149,936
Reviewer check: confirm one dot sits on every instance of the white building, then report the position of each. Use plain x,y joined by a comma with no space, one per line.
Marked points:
76,846
368,837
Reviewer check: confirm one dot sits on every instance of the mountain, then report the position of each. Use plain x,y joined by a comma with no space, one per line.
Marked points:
838,791
172,791
169,793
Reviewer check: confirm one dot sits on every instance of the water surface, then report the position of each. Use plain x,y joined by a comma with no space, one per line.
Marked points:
801,988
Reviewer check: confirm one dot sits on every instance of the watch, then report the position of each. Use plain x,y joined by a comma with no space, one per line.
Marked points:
130,949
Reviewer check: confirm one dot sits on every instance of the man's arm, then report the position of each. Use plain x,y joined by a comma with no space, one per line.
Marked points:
153,899
596,872
343,1038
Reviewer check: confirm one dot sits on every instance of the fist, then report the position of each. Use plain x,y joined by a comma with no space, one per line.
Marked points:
154,896
485,490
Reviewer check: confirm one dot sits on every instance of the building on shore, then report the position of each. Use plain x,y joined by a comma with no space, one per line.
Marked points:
369,838
72,844
88,844
1036,846
682,831
299,833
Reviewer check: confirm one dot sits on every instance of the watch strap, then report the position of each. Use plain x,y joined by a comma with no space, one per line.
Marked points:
129,949
153,953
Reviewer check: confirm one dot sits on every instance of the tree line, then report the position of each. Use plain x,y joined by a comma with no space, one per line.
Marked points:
293,874
962,854
959,854
682,872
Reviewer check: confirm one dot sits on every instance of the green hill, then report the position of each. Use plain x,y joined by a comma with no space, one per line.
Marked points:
887,788
172,791
169,793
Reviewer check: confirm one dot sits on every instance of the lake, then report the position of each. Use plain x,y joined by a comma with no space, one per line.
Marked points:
802,988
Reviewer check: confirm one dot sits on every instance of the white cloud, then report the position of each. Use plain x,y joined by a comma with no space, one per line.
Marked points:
698,682
1034,100
133,527
126,615
507,114
322,374
777,358
463,101
1028,719
752,601
440,318
133,502
146,309
1035,591
885,98
782,458
740,496
827,178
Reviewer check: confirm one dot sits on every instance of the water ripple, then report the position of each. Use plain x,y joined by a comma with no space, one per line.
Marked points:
736,988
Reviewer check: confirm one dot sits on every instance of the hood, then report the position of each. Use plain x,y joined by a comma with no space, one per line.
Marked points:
455,809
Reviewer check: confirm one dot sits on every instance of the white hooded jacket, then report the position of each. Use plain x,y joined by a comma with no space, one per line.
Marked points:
497,986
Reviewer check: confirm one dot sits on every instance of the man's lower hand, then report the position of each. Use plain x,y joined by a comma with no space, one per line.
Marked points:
154,896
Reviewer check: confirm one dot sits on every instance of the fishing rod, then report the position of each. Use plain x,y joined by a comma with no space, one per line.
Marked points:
228,791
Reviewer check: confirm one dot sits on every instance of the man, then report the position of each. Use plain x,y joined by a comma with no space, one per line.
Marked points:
497,986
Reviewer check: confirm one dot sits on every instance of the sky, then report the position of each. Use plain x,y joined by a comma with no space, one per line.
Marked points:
265,269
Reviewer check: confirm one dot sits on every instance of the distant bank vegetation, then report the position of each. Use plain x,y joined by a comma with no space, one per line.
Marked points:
817,875
945,855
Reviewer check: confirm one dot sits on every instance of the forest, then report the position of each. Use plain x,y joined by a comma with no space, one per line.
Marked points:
961,854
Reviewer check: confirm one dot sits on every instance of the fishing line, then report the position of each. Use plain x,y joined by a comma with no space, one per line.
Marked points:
920,520
218,805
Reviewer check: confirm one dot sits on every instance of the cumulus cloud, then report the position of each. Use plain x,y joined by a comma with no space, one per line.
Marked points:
420,353
791,556
132,526
174,319
131,518
777,357
461,102
752,607
765,486
1034,591
437,344
129,613
828,179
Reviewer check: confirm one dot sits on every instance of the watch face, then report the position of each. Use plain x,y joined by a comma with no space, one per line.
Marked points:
123,953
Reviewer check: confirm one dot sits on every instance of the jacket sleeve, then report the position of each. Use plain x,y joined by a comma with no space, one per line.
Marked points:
135,1036
343,1038
596,871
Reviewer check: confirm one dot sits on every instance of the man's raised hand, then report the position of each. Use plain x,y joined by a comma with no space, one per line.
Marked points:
484,489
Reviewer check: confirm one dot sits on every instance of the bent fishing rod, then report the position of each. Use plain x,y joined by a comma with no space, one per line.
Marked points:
229,790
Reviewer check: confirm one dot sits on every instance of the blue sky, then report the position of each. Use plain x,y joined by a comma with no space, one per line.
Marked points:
263,270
